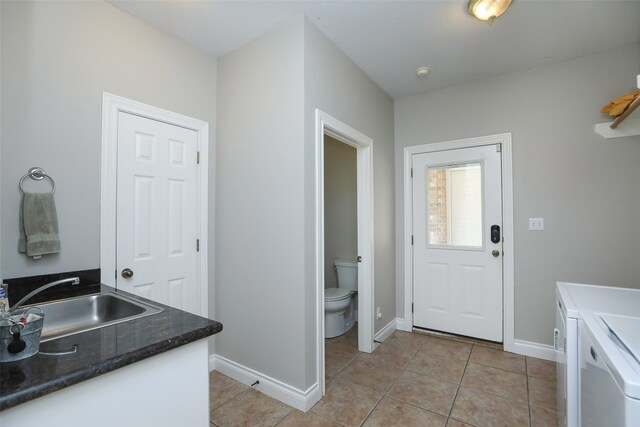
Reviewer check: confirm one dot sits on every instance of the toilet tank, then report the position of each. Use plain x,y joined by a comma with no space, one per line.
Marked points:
347,274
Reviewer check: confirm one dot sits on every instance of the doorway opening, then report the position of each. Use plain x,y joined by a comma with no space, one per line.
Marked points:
344,138
340,254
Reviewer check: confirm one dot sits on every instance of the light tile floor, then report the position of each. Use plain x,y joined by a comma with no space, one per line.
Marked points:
412,379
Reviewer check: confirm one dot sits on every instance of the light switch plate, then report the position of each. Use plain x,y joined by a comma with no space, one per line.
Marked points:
536,224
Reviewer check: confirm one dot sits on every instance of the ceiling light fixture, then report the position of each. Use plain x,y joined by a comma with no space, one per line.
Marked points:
422,72
488,10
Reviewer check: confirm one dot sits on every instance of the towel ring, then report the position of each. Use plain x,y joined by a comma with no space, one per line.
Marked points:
37,174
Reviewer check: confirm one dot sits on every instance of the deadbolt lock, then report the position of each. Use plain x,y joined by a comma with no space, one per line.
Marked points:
495,253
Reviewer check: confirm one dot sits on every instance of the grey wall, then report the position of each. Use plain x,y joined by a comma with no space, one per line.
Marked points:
265,217
584,186
335,85
260,205
57,59
340,206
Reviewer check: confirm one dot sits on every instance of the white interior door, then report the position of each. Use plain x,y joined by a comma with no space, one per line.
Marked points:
156,212
457,277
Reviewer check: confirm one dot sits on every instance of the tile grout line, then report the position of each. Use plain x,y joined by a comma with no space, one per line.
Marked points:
460,384
355,385
427,376
372,411
495,367
494,393
416,406
344,367
417,350
526,371
502,369
386,393
358,386
335,378
285,417
327,419
228,400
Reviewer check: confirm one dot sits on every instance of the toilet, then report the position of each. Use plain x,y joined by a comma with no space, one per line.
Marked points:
339,302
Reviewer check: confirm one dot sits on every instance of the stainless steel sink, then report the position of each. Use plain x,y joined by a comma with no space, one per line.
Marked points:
75,315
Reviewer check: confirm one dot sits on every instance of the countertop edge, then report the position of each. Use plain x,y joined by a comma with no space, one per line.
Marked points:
109,365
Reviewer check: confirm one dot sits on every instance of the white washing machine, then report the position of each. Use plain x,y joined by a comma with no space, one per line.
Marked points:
610,371
580,310
565,342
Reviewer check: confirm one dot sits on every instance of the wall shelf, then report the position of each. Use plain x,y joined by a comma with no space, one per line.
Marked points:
621,126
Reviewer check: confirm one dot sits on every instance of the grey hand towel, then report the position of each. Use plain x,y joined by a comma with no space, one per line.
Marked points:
38,225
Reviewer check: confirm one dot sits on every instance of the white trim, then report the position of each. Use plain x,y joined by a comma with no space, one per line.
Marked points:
385,332
533,349
111,106
507,227
402,324
299,399
508,247
326,124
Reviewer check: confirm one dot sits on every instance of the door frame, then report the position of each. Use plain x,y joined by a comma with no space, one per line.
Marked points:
508,283
326,124
111,106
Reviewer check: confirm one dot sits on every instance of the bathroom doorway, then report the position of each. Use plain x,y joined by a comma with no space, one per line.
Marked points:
340,255
340,207
349,144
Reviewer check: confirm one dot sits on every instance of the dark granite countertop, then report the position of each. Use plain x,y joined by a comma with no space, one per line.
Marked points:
100,351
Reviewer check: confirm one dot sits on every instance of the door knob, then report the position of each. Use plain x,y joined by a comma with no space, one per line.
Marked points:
127,273
495,253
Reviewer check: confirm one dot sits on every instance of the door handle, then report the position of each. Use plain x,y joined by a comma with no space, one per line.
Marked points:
127,273
495,253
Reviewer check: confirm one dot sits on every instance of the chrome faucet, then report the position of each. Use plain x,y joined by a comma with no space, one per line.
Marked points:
72,280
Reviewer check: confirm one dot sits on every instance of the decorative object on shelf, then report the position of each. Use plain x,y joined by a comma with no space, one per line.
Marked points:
619,105
621,108
38,220
488,10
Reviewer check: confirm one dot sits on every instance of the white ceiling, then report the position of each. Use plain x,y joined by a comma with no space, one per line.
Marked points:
390,39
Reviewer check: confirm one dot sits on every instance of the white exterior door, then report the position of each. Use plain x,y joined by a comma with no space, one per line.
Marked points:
457,269
157,212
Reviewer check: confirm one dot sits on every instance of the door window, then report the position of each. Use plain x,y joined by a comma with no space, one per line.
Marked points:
454,205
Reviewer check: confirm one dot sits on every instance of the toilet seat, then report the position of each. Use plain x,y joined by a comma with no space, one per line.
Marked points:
336,294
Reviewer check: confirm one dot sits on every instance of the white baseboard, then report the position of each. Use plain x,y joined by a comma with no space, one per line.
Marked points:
533,349
403,325
301,400
212,362
387,330
526,348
